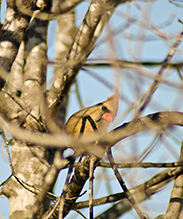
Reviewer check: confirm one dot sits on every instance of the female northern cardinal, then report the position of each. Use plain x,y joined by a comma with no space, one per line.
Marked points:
92,119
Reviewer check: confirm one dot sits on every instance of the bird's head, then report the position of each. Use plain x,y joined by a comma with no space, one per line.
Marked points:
92,119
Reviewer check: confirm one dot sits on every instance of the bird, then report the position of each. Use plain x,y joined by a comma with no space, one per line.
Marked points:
93,119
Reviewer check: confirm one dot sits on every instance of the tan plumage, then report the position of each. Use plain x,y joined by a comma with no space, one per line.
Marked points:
101,114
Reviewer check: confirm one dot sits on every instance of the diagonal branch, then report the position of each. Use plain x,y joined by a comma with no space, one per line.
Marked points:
156,83
175,207
156,121
88,32
124,187
81,174
140,192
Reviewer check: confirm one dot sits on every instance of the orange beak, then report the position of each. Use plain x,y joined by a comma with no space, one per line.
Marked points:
108,117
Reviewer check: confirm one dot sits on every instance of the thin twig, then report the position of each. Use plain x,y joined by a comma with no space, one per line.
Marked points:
78,95
143,165
91,177
79,212
1,216
53,208
174,209
140,192
62,198
7,150
124,187
155,84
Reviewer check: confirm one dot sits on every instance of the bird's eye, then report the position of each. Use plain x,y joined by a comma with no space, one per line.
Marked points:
18,93
104,108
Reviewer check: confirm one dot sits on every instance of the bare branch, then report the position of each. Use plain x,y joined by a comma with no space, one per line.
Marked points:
175,209
143,165
49,181
15,23
165,63
88,32
91,177
143,191
156,121
64,7
81,174
16,77
124,187
59,8
65,34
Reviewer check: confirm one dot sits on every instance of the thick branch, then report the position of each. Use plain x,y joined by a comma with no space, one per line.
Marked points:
64,6
30,163
75,186
11,35
156,121
65,34
48,183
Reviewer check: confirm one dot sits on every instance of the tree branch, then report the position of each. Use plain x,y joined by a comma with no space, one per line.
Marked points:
156,121
88,32
175,209
12,33
81,174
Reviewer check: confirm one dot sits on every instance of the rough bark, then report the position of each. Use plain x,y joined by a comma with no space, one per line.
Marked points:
23,93
12,34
